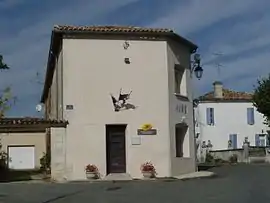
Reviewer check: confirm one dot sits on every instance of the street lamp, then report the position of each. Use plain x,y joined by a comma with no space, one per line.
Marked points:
196,67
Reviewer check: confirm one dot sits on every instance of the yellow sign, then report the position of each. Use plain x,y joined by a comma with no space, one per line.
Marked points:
146,126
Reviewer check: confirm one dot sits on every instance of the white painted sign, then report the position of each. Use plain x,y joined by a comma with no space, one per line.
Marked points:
136,140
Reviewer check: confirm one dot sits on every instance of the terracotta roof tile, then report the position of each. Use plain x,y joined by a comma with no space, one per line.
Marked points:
227,95
111,29
30,121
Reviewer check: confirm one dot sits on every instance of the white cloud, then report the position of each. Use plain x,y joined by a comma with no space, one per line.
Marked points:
239,74
198,14
250,32
26,51
241,37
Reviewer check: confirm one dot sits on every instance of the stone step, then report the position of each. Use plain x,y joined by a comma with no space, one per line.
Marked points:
118,176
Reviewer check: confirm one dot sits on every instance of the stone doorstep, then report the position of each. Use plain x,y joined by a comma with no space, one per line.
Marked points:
198,174
118,176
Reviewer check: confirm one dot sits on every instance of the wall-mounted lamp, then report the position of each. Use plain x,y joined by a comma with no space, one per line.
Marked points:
196,66
195,103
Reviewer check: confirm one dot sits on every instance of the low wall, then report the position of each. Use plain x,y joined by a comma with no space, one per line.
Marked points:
255,154
226,154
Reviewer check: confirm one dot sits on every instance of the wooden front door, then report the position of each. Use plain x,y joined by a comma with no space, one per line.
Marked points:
116,148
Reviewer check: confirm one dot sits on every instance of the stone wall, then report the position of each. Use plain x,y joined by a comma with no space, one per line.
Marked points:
226,154
254,154
58,154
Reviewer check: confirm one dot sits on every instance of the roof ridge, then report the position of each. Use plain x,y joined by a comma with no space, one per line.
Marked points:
119,27
228,94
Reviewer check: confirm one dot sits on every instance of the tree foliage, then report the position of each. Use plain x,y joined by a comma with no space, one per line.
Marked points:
261,98
6,98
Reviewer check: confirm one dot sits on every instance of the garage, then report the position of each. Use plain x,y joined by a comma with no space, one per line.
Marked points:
21,157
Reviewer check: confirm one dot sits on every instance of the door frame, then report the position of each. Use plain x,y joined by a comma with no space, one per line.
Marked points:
108,146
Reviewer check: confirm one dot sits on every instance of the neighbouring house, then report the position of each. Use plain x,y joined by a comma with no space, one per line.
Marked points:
23,141
225,118
111,82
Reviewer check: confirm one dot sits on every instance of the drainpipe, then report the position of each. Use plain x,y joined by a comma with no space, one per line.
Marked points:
194,105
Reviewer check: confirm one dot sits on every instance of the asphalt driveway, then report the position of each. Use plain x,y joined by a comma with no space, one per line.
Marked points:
241,184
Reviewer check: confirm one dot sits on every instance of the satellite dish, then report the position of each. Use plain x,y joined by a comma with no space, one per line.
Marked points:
39,108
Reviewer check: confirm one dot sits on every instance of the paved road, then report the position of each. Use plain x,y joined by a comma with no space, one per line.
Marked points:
241,184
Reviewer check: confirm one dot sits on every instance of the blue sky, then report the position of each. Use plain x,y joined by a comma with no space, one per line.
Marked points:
240,30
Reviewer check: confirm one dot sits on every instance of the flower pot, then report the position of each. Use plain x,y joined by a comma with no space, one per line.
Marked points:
148,174
91,175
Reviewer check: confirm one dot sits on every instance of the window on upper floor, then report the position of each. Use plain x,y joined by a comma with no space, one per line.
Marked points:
210,116
178,80
250,116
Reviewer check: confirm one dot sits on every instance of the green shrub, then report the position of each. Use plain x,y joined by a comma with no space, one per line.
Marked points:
209,158
233,158
45,161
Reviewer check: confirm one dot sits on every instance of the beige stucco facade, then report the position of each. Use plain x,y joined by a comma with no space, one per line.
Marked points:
21,139
87,72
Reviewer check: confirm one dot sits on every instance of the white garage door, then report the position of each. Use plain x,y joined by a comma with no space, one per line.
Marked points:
21,157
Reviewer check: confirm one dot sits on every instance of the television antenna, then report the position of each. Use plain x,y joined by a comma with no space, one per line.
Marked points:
38,79
218,65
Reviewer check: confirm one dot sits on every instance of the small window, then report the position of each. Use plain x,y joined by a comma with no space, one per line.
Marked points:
210,116
178,76
250,116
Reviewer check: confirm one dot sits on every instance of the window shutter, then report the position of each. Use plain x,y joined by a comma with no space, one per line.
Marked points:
250,116
262,142
212,115
208,119
233,138
257,140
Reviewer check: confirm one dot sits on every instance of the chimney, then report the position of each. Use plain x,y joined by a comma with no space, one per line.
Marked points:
218,90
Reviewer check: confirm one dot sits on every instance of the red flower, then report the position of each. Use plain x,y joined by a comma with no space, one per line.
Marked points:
148,167
91,168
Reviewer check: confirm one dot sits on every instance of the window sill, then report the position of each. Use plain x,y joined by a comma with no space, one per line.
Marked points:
181,97
183,157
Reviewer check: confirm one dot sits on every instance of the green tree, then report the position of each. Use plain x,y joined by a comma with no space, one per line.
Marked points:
6,98
261,98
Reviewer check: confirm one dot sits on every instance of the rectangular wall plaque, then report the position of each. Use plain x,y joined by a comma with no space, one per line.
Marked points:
136,140
69,107
147,132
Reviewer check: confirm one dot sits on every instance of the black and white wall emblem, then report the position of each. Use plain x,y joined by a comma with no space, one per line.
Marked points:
122,102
